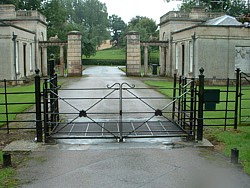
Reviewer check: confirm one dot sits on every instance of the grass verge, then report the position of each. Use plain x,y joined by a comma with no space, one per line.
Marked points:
230,139
7,175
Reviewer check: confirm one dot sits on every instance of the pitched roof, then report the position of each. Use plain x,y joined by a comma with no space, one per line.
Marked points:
223,20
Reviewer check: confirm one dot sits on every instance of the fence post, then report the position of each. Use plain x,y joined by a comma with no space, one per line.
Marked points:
39,128
6,106
236,98
51,66
200,105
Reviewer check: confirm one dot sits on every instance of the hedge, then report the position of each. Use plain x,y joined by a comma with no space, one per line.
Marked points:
107,62
111,62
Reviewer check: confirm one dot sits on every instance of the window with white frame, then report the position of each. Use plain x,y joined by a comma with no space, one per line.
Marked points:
191,56
176,56
30,57
17,57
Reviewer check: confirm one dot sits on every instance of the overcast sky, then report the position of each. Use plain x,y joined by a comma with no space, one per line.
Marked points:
127,9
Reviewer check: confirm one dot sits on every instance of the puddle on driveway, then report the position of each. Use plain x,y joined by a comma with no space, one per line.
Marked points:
86,144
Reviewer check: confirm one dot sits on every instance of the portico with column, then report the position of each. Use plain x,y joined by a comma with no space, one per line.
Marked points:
163,48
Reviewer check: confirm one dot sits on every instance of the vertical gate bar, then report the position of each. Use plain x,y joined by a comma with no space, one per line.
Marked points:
120,115
39,128
191,119
52,103
227,94
195,111
174,96
240,106
46,110
179,100
200,106
184,103
236,98
6,106
56,100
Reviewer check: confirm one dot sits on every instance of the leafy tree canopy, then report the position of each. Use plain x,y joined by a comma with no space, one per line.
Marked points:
90,17
117,27
145,26
24,4
230,7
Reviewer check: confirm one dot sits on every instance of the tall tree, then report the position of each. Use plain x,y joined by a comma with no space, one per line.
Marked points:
25,4
117,26
92,18
231,7
145,26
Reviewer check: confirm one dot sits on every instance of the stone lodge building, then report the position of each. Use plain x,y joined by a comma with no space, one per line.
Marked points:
214,41
20,33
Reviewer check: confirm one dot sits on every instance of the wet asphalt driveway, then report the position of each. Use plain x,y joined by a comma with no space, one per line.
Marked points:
146,163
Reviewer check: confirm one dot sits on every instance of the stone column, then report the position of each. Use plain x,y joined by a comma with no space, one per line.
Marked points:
61,66
145,60
163,61
133,54
44,61
74,54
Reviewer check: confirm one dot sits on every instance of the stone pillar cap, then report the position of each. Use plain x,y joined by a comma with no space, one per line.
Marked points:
74,33
133,33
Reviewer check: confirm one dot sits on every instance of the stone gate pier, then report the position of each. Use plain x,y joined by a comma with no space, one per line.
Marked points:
74,54
133,55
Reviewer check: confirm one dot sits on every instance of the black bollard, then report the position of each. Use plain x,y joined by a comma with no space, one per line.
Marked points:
6,160
234,156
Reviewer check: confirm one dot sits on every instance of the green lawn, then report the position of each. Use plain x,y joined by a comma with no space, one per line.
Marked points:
119,54
231,138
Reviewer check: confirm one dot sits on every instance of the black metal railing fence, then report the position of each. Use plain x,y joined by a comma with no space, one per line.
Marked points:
15,103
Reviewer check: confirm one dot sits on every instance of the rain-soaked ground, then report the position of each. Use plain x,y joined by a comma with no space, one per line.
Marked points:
134,163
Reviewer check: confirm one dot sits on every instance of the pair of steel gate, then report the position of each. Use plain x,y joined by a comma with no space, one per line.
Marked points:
118,111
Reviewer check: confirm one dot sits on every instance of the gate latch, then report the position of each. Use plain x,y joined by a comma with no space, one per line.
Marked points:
83,113
158,112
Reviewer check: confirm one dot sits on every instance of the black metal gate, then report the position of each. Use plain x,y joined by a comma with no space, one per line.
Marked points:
118,111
